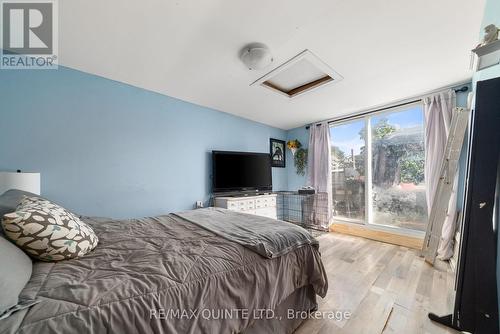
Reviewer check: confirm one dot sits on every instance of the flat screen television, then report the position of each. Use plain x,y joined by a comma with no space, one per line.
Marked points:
241,171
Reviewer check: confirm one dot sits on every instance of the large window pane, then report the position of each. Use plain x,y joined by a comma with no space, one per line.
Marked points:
398,185
348,170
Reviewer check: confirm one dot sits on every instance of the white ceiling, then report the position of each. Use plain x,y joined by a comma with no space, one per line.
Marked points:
386,50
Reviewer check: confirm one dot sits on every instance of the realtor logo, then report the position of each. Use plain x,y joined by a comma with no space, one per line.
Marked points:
29,34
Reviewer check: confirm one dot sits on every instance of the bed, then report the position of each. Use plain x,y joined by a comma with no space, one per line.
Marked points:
167,274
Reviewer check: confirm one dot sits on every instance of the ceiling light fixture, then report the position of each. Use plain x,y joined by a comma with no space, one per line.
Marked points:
256,56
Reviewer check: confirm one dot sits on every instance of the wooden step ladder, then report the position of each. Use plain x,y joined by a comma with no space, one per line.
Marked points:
449,168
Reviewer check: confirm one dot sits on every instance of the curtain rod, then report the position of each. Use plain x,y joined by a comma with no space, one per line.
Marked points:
458,90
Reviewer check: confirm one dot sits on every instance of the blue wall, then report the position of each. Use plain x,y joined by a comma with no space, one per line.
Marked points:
296,181
110,149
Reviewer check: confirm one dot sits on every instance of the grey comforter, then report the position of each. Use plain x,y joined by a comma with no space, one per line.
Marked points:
145,270
265,236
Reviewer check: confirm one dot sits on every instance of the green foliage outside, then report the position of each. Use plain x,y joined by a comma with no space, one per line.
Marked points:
412,170
381,130
403,162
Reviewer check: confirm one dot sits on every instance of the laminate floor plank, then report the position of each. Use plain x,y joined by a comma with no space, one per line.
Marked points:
384,288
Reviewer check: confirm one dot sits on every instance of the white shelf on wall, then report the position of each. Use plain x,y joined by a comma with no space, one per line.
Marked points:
488,55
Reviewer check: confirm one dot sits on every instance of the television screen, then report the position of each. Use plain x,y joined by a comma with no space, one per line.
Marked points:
240,171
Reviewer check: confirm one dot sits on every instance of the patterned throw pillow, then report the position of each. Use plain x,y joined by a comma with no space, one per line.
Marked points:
47,231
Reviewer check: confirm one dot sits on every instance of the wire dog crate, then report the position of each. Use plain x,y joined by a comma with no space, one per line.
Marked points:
307,210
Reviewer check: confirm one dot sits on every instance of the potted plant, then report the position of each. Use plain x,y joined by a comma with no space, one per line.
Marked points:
293,145
300,161
299,156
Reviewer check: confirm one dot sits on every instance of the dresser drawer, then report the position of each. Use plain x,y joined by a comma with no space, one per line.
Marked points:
267,212
232,205
250,205
265,202
246,204
266,205
242,205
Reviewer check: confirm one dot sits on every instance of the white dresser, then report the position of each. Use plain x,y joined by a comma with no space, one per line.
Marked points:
261,205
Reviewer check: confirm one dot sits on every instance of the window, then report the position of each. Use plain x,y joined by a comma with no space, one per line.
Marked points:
348,170
379,178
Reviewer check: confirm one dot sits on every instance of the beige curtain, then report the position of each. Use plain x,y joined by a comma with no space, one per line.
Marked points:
320,173
438,110
446,245
437,116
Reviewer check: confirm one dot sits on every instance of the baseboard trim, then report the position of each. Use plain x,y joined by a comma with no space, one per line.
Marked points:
378,235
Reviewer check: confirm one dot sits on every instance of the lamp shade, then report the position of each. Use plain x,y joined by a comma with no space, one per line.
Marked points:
22,181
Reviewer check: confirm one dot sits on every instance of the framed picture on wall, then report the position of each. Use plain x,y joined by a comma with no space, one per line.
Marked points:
277,150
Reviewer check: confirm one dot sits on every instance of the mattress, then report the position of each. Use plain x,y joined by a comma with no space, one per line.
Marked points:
162,275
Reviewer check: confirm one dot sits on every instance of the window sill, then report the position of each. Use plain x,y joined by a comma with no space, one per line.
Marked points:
396,236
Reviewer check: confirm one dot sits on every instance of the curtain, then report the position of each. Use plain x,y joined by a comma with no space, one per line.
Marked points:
445,250
319,175
437,116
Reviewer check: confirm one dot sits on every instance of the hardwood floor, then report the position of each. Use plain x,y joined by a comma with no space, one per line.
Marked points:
386,288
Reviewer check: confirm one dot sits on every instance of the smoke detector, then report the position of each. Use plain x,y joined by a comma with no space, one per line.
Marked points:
256,56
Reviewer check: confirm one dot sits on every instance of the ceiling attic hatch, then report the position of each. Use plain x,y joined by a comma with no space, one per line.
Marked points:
303,73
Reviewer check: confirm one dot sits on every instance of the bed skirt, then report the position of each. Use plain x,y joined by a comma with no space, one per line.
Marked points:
301,301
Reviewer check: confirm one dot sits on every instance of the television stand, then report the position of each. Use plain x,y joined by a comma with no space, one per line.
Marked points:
259,204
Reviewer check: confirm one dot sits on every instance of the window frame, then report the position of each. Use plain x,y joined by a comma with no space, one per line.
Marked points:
368,221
